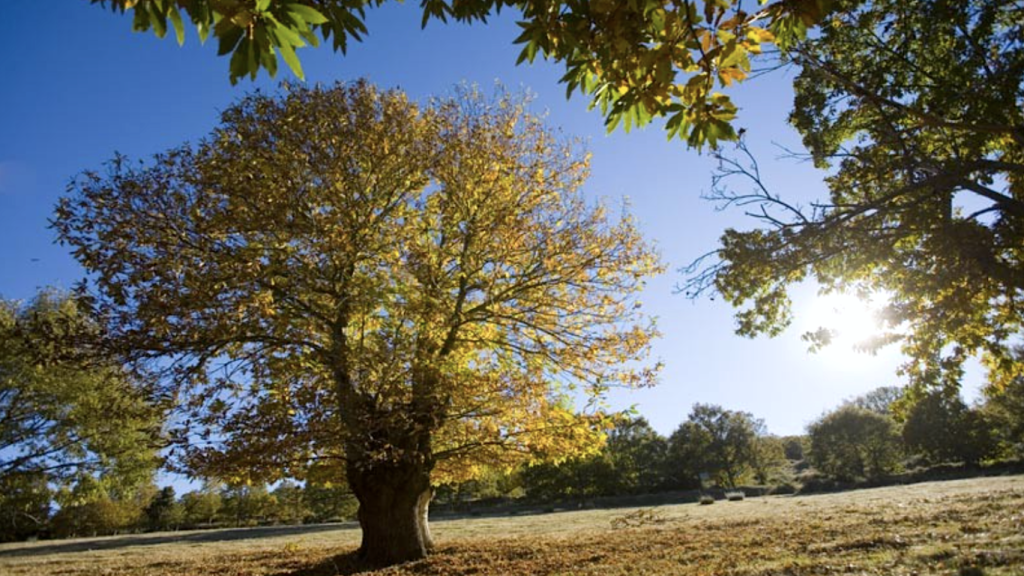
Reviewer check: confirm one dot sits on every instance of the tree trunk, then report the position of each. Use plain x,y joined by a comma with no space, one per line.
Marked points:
393,504
424,514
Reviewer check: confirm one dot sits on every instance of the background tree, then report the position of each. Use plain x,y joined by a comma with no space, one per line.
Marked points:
794,447
578,479
1004,407
490,485
247,504
637,454
941,428
95,506
926,202
767,458
687,450
291,504
68,410
330,503
716,442
201,507
851,443
25,505
164,512
341,276
636,60
632,461
881,400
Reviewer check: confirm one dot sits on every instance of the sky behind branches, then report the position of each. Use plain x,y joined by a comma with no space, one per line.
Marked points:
78,86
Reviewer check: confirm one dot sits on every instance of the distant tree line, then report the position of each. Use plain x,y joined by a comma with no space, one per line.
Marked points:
891,430
713,447
866,439
90,510
81,446
883,433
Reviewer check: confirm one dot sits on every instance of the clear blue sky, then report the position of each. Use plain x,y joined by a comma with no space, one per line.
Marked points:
78,85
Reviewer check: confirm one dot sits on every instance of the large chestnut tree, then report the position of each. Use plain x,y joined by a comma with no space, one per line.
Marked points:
343,280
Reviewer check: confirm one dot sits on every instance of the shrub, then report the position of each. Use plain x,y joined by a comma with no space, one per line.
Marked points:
706,499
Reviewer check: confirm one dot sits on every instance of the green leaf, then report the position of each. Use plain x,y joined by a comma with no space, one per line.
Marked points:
290,58
530,51
157,20
612,122
229,40
733,54
252,60
203,29
283,34
308,14
264,49
140,19
239,60
179,26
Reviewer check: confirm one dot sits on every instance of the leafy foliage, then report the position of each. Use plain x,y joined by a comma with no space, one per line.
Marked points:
92,507
851,443
885,400
247,505
1004,409
343,278
717,442
636,60
201,507
25,505
793,447
926,204
164,512
633,461
638,457
942,428
768,460
330,503
67,409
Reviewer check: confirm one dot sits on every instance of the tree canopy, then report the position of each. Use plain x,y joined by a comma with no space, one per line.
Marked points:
717,442
66,408
852,443
636,60
342,278
942,428
915,112
1004,406
68,411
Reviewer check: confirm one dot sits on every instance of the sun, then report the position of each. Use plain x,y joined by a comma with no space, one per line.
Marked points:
850,320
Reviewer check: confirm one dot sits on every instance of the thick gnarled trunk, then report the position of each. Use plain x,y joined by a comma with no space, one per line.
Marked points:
389,461
393,505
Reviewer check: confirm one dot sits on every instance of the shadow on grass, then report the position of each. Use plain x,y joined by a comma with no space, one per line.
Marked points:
350,564
222,535
341,565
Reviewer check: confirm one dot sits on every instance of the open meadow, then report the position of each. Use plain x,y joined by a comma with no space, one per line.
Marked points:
968,527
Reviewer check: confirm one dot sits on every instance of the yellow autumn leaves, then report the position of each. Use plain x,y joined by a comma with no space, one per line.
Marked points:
390,272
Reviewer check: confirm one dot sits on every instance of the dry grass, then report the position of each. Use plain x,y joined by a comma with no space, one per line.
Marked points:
956,527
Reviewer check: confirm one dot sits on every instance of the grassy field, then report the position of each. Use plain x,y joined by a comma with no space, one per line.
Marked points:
961,527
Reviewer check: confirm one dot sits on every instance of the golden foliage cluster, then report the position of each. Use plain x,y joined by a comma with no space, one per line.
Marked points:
340,273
